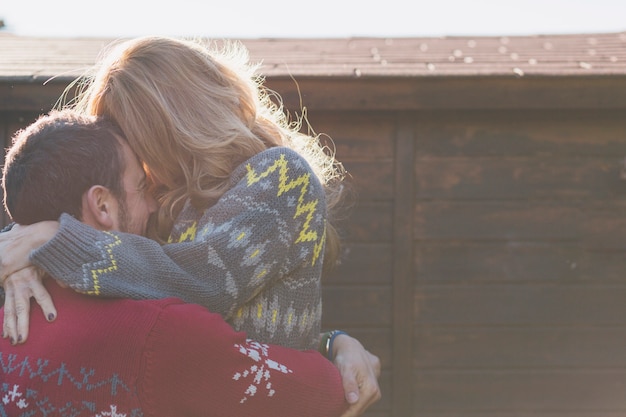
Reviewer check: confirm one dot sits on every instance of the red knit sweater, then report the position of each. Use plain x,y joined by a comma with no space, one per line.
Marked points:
125,358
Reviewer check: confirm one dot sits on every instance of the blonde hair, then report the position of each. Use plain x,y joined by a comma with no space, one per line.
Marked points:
193,112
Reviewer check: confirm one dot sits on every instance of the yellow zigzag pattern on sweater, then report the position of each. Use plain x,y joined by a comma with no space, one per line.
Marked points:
187,235
286,184
112,266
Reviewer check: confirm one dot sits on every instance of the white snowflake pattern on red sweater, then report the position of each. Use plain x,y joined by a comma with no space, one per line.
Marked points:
15,396
260,371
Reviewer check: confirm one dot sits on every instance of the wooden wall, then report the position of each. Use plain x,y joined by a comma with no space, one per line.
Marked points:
484,258
519,234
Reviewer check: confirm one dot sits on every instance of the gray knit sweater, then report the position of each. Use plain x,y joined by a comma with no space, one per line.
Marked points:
255,257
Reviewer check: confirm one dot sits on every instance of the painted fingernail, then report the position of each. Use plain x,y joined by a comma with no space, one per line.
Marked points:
353,397
12,341
19,338
50,316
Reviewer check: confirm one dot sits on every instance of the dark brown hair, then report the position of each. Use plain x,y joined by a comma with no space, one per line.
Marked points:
55,160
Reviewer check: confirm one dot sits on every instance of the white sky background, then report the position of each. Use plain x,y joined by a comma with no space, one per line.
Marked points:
313,19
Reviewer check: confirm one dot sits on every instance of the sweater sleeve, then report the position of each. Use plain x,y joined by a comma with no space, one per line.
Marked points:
269,224
196,362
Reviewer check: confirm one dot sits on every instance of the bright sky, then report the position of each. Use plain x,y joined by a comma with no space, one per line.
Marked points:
314,19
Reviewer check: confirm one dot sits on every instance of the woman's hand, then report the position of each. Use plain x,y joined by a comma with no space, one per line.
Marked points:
359,371
19,287
21,280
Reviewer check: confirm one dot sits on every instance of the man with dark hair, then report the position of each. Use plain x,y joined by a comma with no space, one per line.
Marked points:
114,357
54,163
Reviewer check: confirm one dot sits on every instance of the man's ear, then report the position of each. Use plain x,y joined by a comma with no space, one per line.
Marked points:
99,208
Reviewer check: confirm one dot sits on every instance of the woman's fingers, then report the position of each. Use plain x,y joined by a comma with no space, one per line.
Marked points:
19,287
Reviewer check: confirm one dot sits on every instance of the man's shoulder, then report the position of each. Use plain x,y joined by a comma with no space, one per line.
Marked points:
115,308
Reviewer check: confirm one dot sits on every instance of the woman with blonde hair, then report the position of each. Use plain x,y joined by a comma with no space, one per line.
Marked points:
243,226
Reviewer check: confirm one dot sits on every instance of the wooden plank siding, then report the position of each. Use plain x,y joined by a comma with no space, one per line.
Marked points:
517,235
519,282
484,253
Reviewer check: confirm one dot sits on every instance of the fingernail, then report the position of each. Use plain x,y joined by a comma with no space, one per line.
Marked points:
19,338
353,397
50,316
12,341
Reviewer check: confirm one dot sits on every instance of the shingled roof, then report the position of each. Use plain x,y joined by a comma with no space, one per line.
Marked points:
34,58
